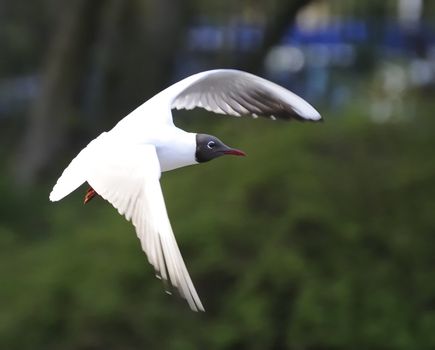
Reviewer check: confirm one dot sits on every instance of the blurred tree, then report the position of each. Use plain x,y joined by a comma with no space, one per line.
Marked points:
78,68
275,29
108,56
61,80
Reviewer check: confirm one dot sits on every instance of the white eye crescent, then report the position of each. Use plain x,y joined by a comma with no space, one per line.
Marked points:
211,144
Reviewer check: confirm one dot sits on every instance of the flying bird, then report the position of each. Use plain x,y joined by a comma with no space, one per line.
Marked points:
124,165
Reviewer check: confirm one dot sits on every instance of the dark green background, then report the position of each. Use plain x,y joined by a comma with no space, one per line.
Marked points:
322,238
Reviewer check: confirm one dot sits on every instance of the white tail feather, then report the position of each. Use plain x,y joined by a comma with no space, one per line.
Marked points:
75,173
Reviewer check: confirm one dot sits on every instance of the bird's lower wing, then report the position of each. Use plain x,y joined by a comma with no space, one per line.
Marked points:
128,177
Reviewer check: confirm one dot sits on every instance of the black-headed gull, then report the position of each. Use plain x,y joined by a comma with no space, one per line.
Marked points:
124,164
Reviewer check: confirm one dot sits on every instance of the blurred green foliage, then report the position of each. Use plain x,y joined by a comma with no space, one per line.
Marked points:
321,238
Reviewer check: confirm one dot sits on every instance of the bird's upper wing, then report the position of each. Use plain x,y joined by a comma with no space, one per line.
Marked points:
237,93
128,177
223,91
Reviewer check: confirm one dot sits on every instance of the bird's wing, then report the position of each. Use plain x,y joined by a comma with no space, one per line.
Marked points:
223,91
128,177
238,93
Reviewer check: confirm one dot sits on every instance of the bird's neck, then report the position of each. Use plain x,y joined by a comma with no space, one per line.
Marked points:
177,150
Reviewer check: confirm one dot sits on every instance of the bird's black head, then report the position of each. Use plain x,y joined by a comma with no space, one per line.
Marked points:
209,147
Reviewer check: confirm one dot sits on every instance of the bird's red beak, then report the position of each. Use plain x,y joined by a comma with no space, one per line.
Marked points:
235,152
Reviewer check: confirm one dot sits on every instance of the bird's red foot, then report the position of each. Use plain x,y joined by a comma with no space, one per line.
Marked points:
90,193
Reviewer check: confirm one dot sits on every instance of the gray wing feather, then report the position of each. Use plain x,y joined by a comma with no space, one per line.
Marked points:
239,93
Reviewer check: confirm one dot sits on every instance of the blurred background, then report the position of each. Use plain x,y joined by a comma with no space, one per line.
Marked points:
322,238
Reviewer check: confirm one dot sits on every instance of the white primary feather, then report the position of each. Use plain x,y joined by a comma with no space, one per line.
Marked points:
128,177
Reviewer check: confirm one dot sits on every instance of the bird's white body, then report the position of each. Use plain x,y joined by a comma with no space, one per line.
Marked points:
175,147
124,164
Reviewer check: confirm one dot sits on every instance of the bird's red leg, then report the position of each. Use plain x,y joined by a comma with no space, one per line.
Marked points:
90,193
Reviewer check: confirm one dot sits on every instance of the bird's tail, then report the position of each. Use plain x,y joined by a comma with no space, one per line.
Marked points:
75,173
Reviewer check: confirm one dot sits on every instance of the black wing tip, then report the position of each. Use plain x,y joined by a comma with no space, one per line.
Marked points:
319,119
287,117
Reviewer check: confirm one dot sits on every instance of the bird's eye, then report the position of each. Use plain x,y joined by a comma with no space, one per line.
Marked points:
211,144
